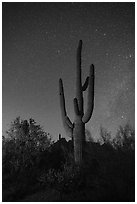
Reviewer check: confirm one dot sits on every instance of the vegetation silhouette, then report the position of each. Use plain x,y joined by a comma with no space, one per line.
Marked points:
35,168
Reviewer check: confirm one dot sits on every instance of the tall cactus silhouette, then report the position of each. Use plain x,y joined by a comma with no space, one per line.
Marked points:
77,129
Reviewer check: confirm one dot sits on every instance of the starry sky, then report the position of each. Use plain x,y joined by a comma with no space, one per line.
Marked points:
39,42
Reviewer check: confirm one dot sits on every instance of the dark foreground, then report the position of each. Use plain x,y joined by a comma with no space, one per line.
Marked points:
107,175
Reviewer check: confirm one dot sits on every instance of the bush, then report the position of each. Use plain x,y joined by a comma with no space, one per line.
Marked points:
105,136
24,142
125,138
66,180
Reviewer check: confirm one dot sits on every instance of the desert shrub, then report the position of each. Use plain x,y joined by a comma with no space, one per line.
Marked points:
22,145
125,138
105,136
66,180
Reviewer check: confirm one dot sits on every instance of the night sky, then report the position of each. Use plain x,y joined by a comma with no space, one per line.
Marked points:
39,42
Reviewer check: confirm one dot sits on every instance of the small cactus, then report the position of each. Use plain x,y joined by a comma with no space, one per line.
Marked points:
59,136
77,129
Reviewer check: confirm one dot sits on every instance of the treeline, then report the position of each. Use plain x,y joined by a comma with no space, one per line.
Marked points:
32,162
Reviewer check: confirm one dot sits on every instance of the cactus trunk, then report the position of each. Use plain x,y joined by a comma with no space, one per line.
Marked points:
77,129
79,140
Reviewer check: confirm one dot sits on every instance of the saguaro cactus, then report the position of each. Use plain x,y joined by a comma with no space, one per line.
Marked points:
77,129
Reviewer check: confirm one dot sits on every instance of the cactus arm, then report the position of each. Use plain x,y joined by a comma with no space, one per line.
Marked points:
76,108
85,85
90,103
68,129
62,99
79,95
66,121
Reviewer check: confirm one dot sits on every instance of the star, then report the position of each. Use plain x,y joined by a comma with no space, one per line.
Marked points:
123,117
58,51
128,56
